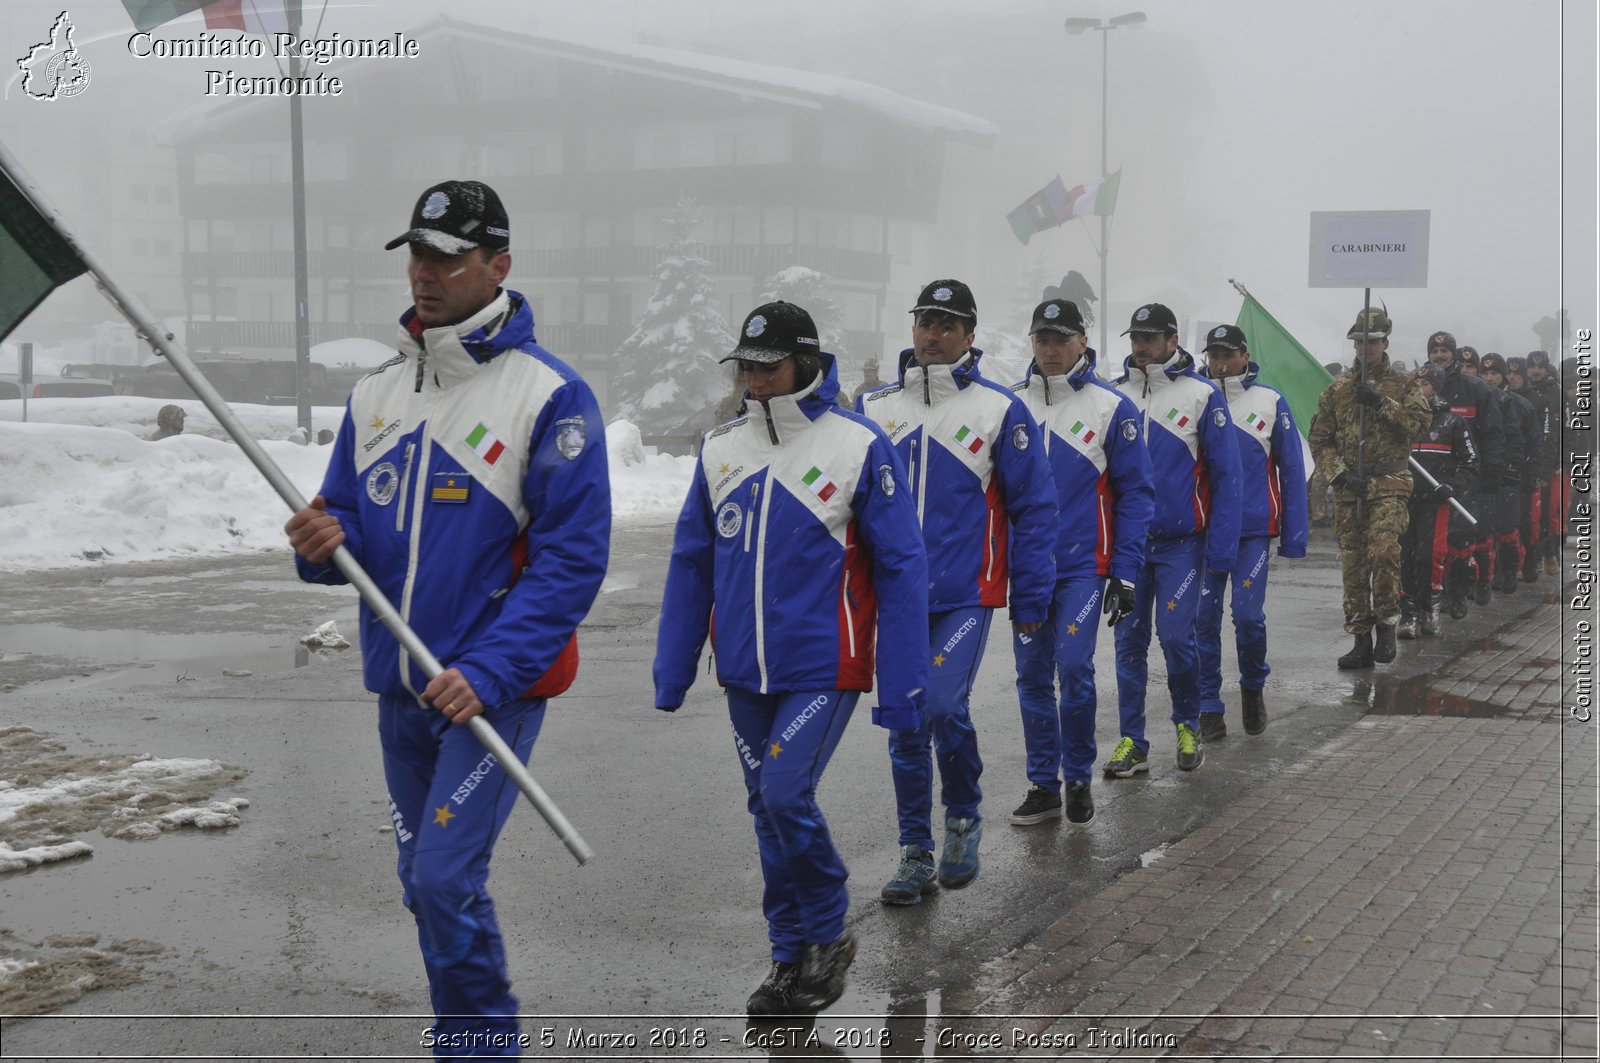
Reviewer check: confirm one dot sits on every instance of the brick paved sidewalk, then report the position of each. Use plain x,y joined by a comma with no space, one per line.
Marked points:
1422,886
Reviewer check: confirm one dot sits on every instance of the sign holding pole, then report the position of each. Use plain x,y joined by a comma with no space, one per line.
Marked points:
1369,249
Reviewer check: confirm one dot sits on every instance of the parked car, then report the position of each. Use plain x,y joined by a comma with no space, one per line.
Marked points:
49,386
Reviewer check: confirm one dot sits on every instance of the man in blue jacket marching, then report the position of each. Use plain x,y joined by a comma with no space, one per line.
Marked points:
1102,475
469,480
987,507
1194,460
798,527
1272,505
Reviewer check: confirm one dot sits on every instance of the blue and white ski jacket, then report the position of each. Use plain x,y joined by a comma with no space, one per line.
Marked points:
1194,458
1101,469
978,473
1272,470
797,535
469,476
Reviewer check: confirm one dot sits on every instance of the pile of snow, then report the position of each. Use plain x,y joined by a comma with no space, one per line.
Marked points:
21,859
84,484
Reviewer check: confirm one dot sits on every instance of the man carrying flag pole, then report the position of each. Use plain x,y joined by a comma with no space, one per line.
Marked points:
36,247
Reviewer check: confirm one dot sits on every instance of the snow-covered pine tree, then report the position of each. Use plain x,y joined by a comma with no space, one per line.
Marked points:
665,377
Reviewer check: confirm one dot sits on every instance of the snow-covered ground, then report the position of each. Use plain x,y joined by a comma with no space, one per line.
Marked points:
83,483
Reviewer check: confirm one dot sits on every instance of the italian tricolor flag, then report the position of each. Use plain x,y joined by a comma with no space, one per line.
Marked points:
819,483
1080,433
1179,419
264,17
484,444
969,439
1256,421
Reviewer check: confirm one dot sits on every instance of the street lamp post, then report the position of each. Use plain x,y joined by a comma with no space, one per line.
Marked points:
1130,20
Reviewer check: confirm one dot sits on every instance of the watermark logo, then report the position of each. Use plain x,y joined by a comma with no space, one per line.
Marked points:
54,69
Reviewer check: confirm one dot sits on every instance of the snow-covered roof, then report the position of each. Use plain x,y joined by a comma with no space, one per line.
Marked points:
795,87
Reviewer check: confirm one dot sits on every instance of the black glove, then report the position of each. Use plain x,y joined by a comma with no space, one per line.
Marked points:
1349,481
1368,395
1119,601
1443,493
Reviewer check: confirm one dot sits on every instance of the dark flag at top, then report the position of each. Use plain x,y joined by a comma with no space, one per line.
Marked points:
34,258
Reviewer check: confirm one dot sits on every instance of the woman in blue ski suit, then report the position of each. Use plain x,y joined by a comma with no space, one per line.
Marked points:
797,528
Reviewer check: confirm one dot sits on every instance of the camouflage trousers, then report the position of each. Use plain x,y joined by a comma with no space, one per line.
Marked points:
1369,554
1317,496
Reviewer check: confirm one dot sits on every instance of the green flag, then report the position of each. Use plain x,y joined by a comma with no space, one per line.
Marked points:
1286,367
34,258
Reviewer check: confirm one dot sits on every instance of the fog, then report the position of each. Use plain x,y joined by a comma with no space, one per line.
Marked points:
1231,121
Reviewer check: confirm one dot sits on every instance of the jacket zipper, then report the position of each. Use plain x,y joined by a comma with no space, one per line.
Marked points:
761,556
405,482
413,548
750,524
844,601
922,480
988,572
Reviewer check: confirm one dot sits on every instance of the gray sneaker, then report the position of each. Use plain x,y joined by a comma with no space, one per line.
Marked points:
1212,726
914,879
958,864
1190,755
1126,760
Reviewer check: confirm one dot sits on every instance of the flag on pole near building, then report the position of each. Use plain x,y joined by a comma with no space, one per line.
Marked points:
1286,366
34,258
1055,203
1039,211
1097,197
263,17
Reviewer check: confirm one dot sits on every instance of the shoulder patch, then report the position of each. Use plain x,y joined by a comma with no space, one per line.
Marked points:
1019,437
1219,418
886,480
1283,419
1130,430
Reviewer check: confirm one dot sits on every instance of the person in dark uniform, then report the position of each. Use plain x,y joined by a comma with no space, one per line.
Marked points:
1470,398
1522,438
1447,452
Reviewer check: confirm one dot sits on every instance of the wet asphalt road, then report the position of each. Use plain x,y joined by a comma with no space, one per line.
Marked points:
296,912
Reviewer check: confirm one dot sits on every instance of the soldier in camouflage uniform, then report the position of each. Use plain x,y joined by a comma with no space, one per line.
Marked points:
1371,482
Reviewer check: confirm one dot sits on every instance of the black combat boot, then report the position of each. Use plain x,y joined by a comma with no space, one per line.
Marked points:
1430,620
1360,655
1383,652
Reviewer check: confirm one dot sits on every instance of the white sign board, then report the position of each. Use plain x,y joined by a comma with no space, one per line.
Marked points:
1369,249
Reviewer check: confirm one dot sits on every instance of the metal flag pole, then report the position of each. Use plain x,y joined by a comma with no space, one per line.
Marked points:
1428,479
370,593
1361,407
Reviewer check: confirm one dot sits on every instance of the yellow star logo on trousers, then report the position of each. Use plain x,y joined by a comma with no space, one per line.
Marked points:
1171,605
442,815
938,659
775,749
1247,581
1072,629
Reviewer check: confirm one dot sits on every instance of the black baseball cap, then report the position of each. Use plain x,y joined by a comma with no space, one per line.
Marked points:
1229,336
454,217
951,296
1057,315
773,332
1153,317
